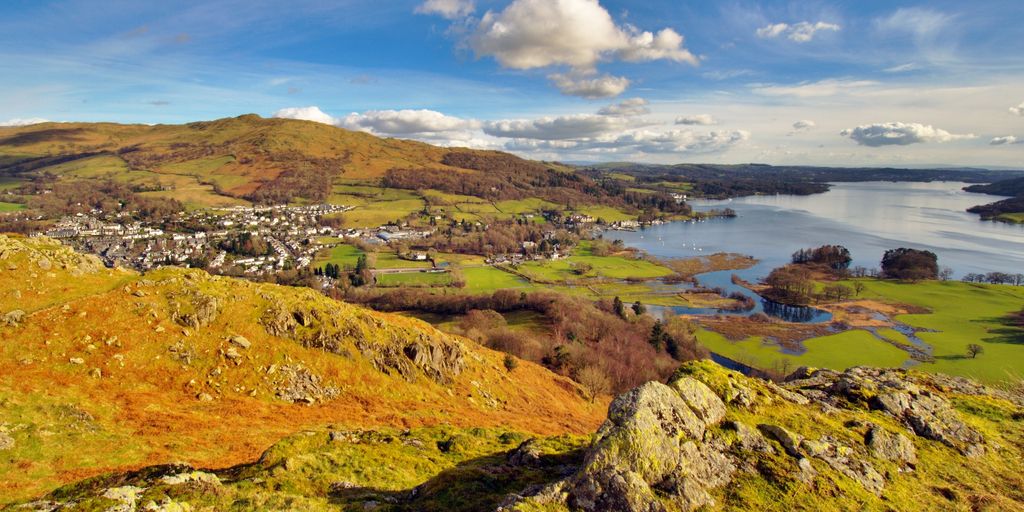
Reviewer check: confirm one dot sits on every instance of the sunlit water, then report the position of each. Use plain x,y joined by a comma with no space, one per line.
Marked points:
867,218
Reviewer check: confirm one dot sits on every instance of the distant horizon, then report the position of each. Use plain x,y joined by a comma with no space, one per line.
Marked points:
583,163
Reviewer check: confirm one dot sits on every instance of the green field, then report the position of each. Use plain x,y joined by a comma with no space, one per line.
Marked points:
343,255
838,351
605,213
414,279
961,313
489,279
528,205
613,267
388,260
11,207
1017,218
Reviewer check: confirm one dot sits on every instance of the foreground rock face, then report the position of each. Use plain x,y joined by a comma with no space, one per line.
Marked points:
676,447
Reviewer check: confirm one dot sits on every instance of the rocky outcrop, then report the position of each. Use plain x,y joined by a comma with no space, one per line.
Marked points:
652,450
890,446
303,386
910,399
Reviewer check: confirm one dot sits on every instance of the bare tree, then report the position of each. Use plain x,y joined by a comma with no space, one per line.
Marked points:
594,381
974,349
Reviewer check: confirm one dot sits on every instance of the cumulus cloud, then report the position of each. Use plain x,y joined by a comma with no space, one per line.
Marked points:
798,32
641,141
802,125
448,9
899,134
821,88
557,128
626,108
1018,110
578,34
19,121
421,123
310,113
405,122
698,120
591,88
1008,139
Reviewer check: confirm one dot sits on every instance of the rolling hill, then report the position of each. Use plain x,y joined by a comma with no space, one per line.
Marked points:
216,162
106,369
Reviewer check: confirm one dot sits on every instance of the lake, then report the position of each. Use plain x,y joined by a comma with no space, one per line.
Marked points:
867,218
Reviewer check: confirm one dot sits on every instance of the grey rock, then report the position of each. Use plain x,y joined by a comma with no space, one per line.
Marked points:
14,318
749,439
701,400
6,441
790,442
526,454
240,341
892,447
649,447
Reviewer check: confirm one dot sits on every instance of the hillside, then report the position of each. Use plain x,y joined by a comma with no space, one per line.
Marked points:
215,162
108,370
709,439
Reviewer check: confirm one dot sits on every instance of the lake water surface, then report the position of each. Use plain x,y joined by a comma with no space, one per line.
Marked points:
867,218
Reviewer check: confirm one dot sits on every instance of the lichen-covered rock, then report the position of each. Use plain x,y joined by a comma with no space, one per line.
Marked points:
790,442
749,439
6,441
892,447
899,394
701,400
650,450
14,318
303,386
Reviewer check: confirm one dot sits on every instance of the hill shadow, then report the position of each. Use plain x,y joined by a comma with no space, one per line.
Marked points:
1009,331
475,484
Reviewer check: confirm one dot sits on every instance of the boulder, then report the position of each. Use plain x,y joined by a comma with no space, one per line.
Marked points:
790,442
6,441
526,454
749,439
14,318
240,341
650,449
701,400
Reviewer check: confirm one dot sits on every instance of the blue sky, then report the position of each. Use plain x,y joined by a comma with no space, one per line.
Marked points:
839,83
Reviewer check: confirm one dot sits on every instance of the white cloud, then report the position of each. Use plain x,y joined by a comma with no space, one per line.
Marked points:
802,125
405,122
899,134
798,32
699,119
448,9
591,88
18,121
626,108
1009,139
902,68
921,22
677,142
310,113
822,88
579,34
1018,110
557,128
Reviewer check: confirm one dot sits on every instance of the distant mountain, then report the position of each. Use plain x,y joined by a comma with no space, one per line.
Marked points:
243,157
